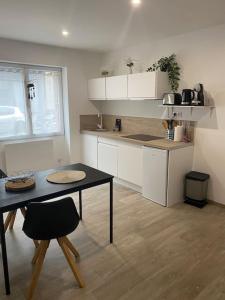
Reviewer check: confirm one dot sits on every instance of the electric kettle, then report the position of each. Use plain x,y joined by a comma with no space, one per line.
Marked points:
187,96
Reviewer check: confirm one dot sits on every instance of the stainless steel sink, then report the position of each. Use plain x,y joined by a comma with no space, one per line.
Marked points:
142,137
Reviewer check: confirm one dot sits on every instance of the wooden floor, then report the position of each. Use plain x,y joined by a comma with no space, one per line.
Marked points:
159,253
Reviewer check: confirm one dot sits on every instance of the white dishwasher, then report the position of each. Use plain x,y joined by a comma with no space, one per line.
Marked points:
155,175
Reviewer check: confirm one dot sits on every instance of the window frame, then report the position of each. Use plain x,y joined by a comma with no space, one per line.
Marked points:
31,135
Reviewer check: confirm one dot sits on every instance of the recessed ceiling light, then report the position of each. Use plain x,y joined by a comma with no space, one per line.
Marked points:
136,2
65,33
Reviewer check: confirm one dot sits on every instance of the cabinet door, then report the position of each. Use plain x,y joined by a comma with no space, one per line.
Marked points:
155,175
108,158
130,163
89,150
96,89
142,85
116,87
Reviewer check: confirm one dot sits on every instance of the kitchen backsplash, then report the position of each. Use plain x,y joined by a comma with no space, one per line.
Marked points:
134,125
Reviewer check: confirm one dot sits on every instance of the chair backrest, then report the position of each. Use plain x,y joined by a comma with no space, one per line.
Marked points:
2,174
50,220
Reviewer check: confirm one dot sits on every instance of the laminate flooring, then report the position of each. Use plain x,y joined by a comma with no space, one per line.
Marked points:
158,253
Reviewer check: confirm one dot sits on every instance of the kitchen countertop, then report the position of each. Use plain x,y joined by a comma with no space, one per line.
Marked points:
162,143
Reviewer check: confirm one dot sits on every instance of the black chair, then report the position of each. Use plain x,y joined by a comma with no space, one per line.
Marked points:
11,216
52,220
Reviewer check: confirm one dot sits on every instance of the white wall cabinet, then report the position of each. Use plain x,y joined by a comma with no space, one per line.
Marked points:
139,86
148,85
130,163
89,150
97,89
108,158
116,87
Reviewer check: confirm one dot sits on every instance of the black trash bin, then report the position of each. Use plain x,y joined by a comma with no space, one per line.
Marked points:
196,186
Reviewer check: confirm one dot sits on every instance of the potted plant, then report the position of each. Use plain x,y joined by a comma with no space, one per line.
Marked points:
169,65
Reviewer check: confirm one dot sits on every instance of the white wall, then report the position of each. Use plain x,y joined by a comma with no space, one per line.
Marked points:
79,66
202,58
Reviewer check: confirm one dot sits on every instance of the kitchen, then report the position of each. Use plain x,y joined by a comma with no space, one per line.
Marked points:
112,107
153,165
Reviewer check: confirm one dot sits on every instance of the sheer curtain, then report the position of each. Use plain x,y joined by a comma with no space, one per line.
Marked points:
46,106
13,115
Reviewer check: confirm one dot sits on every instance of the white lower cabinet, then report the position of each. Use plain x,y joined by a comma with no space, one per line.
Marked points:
155,175
130,163
108,158
160,173
89,150
164,172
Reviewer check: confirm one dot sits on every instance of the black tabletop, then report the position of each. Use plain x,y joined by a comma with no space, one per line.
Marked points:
45,190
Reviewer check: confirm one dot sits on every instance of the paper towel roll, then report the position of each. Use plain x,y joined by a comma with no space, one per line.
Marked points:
178,133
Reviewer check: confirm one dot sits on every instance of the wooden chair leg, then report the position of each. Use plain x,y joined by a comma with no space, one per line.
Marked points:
71,262
8,220
12,220
68,243
37,269
36,243
36,255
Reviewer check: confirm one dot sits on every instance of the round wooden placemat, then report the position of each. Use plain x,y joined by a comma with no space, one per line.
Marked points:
66,176
20,185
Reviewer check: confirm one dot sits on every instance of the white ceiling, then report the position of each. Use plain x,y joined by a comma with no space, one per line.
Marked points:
105,24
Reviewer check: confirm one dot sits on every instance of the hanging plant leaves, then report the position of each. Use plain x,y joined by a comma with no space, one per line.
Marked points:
169,65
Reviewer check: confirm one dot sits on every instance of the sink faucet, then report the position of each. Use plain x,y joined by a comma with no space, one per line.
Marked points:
100,126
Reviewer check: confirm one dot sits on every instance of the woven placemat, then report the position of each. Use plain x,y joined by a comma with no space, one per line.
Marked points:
66,176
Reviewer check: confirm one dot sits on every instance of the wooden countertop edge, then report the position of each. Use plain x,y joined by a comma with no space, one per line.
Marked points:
169,145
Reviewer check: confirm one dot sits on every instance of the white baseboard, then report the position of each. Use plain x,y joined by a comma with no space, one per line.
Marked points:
128,185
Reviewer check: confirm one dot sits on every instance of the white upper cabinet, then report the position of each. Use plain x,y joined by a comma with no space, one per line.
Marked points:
148,85
116,87
96,89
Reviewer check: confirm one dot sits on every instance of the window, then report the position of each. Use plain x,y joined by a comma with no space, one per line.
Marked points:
30,101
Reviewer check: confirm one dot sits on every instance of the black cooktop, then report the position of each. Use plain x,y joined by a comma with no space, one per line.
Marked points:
142,137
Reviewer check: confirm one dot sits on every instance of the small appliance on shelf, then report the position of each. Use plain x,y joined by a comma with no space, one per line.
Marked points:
172,99
199,95
188,96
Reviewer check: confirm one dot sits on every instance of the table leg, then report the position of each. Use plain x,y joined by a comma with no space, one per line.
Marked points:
80,205
111,211
4,255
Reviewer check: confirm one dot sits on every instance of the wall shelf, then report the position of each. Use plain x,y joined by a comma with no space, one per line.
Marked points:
191,107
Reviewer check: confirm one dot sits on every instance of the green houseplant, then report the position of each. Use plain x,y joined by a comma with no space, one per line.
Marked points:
169,65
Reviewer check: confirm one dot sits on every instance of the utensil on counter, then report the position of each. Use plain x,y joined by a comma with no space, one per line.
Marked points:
169,125
170,132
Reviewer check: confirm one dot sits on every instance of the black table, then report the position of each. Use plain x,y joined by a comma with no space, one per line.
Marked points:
46,191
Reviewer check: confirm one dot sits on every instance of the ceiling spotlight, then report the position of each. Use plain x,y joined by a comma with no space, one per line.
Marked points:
65,33
135,2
